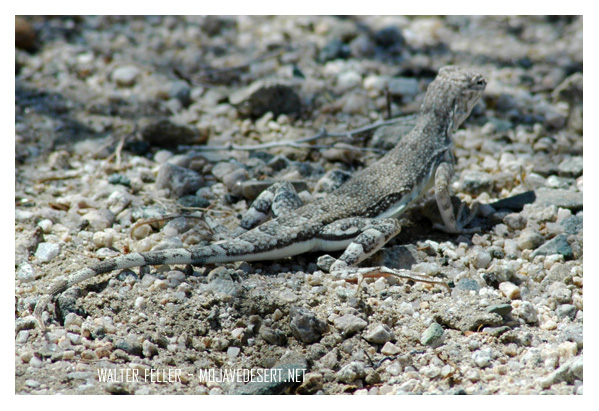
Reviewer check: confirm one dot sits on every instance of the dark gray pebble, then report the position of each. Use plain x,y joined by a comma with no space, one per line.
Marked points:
572,224
273,336
515,203
179,180
557,245
333,50
264,96
165,133
390,37
566,311
305,325
193,201
502,309
130,345
119,179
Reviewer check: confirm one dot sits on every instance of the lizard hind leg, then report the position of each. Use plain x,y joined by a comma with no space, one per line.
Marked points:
280,198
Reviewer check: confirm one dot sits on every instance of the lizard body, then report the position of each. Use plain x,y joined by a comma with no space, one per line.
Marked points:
359,217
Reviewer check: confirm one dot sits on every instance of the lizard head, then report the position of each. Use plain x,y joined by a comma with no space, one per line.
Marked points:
455,90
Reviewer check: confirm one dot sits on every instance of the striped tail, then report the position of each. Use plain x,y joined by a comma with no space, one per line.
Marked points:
196,256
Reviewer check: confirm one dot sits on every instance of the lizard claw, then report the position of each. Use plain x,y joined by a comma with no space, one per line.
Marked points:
462,220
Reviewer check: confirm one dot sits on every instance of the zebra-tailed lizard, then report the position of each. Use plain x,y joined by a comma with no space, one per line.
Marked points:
359,217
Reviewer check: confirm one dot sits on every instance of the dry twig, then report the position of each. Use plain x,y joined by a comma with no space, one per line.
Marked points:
301,142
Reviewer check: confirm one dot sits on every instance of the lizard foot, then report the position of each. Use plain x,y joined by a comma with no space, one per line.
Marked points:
462,221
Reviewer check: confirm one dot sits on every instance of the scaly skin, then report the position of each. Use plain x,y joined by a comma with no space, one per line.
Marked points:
360,216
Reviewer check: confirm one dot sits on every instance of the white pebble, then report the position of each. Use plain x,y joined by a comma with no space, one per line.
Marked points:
526,311
75,339
373,82
47,251
554,228
567,349
140,303
510,290
510,247
380,284
23,215
562,214
233,352
125,76
482,259
548,325
348,80
26,272
277,315
72,319
406,309
45,225
482,358
102,239
394,368
550,260
22,337
237,332
426,268
390,349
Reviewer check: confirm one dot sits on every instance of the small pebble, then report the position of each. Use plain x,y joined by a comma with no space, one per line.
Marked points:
348,80
482,259
22,337
557,245
233,352
351,372
571,167
305,325
529,239
390,349
526,311
482,358
47,251
26,272
433,336
179,180
32,383
125,76
349,324
99,220
510,290
46,225
379,334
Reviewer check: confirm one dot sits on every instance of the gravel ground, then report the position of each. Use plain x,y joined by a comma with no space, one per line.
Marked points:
111,116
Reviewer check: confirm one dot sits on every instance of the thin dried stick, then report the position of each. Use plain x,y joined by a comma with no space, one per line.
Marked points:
323,133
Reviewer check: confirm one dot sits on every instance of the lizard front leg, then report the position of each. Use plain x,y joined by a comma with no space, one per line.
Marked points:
453,224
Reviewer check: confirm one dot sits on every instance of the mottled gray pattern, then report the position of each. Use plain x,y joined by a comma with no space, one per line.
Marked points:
380,191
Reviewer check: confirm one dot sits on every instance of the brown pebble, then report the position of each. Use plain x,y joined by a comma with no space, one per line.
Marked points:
24,34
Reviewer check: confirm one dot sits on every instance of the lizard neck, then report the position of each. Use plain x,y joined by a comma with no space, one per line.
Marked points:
437,123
